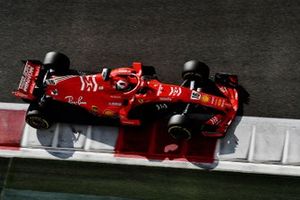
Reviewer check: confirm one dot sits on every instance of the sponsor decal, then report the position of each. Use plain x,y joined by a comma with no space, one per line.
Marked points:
109,113
213,100
220,102
115,103
74,101
54,81
165,99
115,97
214,120
159,90
175,91
161,106
88,83
125,71
195,95
26,79
205,98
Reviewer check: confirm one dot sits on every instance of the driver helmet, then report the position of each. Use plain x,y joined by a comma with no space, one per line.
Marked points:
122,85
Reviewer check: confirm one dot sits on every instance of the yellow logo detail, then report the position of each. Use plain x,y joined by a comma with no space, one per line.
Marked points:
205,98
109,113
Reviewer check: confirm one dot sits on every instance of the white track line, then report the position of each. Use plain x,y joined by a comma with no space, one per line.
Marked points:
227,166
102,157
13,106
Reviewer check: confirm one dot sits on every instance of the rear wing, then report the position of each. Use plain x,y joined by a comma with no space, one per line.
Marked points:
28,80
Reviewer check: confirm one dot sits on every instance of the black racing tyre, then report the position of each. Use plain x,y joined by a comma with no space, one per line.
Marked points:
56,61
195,70
179,127
36,119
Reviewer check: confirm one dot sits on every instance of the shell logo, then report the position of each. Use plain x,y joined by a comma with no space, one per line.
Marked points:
205,98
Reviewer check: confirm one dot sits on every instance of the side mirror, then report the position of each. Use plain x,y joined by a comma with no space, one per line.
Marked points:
105,74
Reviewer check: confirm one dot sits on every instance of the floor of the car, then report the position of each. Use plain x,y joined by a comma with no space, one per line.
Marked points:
64,112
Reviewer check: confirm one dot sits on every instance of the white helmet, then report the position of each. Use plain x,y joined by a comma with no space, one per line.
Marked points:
122,85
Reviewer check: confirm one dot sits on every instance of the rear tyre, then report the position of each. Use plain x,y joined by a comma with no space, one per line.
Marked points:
36,119
58,62
179,127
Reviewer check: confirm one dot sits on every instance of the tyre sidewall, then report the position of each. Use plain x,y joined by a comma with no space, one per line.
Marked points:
180,127
35,117
37,121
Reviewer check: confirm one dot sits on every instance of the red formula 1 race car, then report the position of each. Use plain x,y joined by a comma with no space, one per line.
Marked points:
129,95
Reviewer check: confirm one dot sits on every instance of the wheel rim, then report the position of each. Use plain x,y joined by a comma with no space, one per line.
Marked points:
38,122
178,132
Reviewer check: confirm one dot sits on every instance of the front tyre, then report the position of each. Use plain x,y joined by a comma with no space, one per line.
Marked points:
195,70
180,127
36,119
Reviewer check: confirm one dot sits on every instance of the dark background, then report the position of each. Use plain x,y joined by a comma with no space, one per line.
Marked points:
258,40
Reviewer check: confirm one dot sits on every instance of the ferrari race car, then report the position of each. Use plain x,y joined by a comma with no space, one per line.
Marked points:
130,95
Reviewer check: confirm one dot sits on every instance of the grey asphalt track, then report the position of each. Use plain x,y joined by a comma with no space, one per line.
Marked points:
258,40
136,182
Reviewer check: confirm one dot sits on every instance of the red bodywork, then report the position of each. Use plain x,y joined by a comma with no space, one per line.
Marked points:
101,97
28,81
